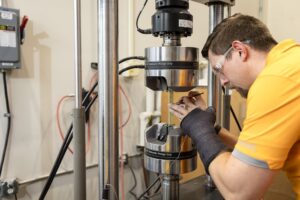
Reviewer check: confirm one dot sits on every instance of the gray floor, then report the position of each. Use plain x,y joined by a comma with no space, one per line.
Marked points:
195,190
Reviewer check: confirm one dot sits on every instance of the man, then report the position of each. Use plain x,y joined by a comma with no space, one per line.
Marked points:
244,55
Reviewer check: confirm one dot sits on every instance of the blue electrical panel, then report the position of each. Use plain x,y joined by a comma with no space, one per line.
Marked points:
10,54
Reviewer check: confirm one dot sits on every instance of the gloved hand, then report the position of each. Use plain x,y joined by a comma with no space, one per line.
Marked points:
199,125
198,118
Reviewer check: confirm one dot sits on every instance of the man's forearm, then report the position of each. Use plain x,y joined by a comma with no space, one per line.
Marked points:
238,180
228,138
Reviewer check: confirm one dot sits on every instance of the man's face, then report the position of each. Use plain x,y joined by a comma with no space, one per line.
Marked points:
231,71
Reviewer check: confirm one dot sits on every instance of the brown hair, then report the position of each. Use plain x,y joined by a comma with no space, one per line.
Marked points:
238,27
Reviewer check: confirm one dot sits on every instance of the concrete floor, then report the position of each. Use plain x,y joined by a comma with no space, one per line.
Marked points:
195,190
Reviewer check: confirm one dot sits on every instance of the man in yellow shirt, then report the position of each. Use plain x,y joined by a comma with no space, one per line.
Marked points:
244,55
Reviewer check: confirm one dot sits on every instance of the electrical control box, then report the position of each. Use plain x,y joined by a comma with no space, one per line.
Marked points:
10,54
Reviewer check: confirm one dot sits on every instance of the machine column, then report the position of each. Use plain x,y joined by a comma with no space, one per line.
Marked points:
108,99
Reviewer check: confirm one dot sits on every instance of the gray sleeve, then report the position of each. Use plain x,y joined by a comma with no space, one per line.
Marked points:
249,160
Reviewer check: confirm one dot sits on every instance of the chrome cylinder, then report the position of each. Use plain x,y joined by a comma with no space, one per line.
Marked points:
173,68
209,2
170,40
168,151
108,97
170,187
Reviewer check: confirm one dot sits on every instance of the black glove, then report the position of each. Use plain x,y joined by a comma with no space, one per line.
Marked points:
199,125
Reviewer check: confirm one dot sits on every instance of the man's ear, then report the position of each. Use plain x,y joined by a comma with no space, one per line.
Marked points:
241,48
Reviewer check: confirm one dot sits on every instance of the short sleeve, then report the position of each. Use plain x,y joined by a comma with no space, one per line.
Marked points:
272,122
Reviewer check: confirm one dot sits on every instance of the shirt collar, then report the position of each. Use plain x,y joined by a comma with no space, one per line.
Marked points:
280,48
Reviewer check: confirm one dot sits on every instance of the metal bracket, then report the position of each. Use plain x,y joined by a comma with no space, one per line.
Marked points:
207,2
8,188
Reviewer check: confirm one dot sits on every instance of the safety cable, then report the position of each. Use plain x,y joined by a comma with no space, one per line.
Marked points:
57,121
8,115
143,31
123,124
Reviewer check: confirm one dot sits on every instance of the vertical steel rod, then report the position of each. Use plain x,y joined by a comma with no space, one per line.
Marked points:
79,155
78,113
78,62
216,15
226,108
170,187
227,93
108,98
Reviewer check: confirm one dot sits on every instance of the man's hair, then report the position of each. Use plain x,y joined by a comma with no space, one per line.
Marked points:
238,27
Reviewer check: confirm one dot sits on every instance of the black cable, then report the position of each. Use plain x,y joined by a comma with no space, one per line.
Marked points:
152,195
233,114
156,192
134,184
158,188
57,162
65,145
131,67
16,198
132,58
8,115
94,65
235,118
149,188
146,31
63,150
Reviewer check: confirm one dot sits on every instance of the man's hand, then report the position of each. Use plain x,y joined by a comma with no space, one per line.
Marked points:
198,123
186,104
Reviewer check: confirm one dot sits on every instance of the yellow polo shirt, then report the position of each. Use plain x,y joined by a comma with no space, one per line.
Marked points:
271,134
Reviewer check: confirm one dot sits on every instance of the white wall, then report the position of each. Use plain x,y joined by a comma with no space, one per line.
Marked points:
47,74
283,19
